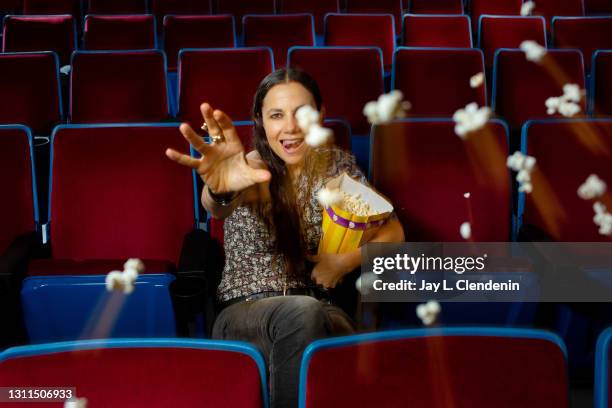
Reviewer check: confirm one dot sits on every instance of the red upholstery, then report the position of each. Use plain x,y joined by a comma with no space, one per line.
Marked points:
522,86
116,7
318,8
440,371
115,195
30,90
52,7
586,34
598,7
567,153
436,6
508,32
436,31
220,78
143,377
423,75
46,267
279,32
551,8
374,30
425,168
10,7
161,8
127,86
239,8
126,32
17,206
498,7
393,7
196,32
602,96
348,78
40,33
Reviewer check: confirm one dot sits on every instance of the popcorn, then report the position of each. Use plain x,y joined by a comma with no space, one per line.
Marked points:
593,187
124,281
328,197
428,312
566,104
308,120
533,51
470,119
65,69
365,283
602,218
527,8
354,204
467,195
465,230
524,166
387,108
77,403
477,80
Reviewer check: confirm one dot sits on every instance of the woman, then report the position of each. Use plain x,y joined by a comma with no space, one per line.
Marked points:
273,225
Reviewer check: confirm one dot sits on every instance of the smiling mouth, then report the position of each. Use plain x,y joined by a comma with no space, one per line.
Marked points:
291,145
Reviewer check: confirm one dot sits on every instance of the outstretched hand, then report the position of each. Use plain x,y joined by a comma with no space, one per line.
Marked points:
223,166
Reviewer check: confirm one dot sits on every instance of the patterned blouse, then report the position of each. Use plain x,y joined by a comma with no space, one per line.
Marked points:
251,265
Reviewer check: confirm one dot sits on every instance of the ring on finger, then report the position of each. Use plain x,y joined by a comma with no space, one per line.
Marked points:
217,138
205,127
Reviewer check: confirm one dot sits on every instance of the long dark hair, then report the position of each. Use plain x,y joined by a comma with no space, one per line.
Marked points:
284,218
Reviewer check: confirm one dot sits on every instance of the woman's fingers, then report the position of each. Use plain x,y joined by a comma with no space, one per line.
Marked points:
211,123
227,127
194,139
183,159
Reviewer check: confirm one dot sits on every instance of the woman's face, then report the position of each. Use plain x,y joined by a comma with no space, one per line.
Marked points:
278,112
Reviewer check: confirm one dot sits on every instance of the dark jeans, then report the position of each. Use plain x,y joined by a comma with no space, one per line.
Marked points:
281,327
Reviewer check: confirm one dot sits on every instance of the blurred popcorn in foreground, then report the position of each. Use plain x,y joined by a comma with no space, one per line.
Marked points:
465,230
524,166
602,218
124,281
527,8
467,195
428,312
566,104
533,51
477,80
470,119
593,187
387,108
77,403
328,197
65,69
308,120
365,283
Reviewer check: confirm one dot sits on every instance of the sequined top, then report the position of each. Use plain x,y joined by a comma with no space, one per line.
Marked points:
251,265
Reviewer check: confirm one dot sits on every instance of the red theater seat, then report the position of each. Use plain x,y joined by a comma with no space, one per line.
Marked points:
125,32
196,32
162,8
239,8
30,91
436,6
498,7
52,7
40,33
436,31
521,87
349,77
601,82
116,7
154,372
424,168
424,77
373,30
10,7
551,8
592,7
114,196
496,32
567,152
393,7
459,367
588,34
220,78
318,8
279,32
118,86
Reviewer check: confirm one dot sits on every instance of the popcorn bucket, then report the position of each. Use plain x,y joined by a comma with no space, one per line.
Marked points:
342,231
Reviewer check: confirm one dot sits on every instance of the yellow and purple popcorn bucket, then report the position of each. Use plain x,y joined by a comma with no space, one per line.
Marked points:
343,231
